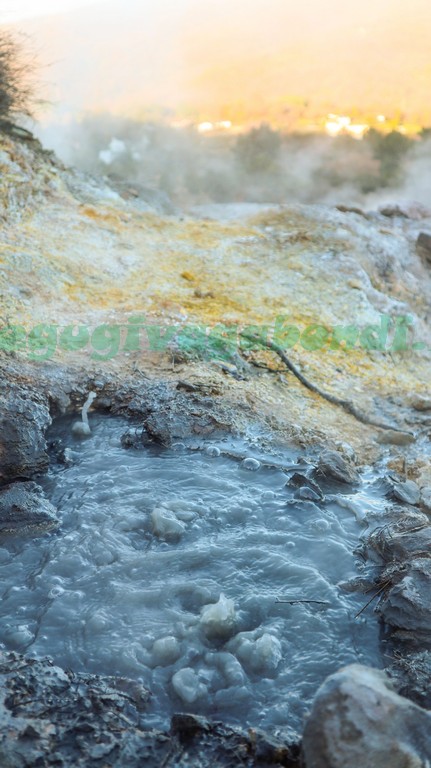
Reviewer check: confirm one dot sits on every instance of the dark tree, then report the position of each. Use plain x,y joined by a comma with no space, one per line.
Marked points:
16,86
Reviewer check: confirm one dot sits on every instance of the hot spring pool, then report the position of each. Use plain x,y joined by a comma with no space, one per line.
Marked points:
168,566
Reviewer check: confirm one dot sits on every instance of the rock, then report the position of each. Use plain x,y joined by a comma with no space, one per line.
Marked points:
306,488
23,422
400,541
307,494
358,721
425,500
351,209
406,605
410,671
423,246
407,492
24,510
406,210
333,466
420,402
57,719
200,736
393,437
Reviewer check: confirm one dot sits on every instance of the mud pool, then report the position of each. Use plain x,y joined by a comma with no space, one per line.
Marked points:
168,568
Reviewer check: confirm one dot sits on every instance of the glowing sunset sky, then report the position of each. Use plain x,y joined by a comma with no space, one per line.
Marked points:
233,59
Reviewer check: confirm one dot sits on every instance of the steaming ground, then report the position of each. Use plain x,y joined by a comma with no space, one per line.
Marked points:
168,566
200,170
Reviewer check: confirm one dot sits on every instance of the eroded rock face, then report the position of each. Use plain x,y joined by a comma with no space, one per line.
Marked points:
333,466
405,603
407,492
357,719
406,606
49,717
23,421
24,510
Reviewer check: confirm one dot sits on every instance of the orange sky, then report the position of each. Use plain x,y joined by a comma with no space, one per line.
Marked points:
245,59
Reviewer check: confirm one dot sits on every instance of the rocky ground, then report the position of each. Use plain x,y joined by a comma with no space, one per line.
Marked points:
75,252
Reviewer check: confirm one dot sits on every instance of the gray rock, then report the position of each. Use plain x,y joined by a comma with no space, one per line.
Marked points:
407,492
420,402
406,606
52,718
358,721
24,510
306,488
333,466
393,437
406,210
398,542
307,494
23,422
423,245
425,500
410,672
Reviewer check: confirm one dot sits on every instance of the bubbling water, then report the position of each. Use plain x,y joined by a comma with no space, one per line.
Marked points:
172,566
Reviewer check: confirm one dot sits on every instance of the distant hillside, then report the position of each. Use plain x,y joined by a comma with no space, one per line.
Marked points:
239,58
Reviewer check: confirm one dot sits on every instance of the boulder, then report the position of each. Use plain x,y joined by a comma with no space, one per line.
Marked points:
406,605
408,492
24,510
23,421
333,466
357,719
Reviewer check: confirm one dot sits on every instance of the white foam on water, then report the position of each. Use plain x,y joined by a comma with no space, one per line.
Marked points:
167,568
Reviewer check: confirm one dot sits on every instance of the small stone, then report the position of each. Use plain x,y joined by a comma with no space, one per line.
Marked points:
333,466
307,494
392,437
420,402
407,492
423,245
303,483
407,210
